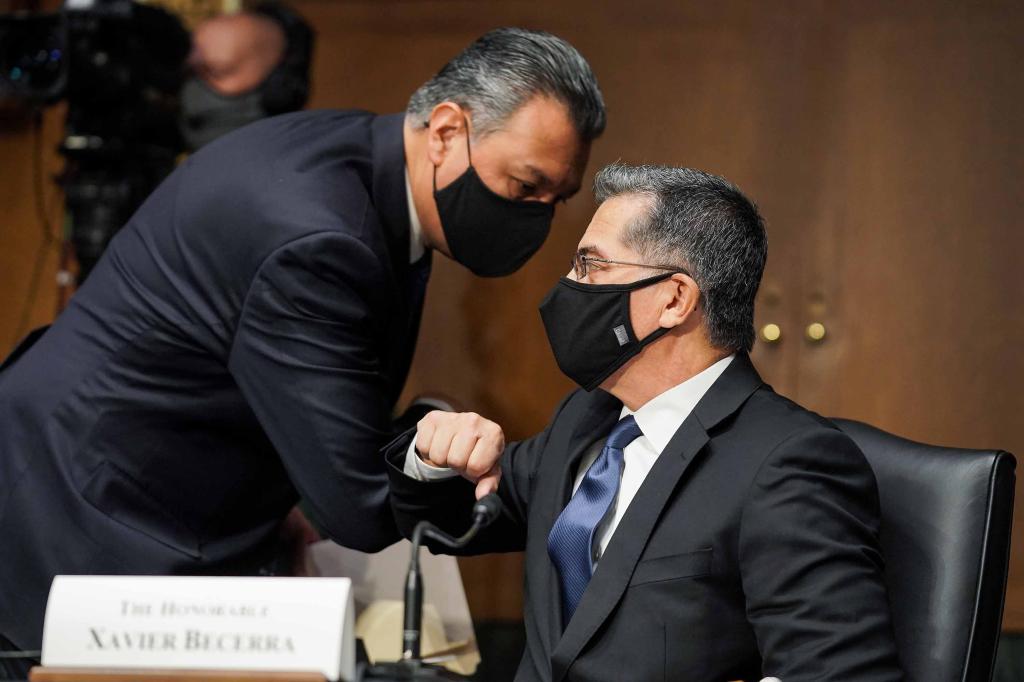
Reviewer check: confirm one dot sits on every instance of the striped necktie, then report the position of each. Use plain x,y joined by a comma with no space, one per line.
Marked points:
571,539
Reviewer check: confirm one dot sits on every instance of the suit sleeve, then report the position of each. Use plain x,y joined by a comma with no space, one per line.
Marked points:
811,567
448,502
305,357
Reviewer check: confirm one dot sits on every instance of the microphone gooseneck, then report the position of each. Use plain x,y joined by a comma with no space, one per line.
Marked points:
485,511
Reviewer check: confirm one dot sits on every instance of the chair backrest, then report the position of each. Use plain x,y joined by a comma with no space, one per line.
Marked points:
946,516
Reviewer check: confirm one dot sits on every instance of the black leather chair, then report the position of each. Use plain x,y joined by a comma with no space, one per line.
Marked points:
946,516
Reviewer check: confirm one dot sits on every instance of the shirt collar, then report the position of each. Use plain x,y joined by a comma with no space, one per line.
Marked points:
416,246
660,417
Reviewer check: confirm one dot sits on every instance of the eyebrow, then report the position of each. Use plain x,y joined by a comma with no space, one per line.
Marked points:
543,179
538,175
590,250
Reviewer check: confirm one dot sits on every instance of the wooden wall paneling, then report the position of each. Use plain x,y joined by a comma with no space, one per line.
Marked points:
914,242
29,253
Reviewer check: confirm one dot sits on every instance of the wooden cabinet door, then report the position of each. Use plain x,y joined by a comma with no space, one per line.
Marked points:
914,260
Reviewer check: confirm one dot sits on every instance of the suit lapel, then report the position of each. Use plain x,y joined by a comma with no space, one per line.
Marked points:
593,427
627,544
391,206
389,200
598,416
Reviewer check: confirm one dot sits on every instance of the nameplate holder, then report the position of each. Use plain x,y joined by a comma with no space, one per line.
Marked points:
201,623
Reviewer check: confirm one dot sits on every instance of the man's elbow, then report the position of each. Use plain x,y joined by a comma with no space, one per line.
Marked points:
369,536
371,544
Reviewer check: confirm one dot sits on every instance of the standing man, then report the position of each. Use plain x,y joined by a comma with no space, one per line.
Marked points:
242,342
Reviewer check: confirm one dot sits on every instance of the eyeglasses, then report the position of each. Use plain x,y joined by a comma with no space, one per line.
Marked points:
581,265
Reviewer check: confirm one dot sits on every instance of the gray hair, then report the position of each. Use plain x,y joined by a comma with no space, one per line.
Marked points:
504,68
703,223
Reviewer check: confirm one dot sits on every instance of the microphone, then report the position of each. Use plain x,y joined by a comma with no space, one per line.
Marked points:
485,511
488,509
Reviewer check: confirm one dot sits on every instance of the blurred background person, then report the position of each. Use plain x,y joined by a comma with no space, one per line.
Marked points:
134,90
243,67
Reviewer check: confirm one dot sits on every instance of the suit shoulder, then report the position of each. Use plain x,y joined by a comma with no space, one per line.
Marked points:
766,401
302,147
283,131
275,181
777,420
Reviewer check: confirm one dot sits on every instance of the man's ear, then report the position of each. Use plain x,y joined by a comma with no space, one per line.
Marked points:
681,301
447,123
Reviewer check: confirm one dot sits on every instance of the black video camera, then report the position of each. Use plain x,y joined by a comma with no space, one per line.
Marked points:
119,65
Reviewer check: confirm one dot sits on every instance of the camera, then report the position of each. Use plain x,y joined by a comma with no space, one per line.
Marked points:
119,66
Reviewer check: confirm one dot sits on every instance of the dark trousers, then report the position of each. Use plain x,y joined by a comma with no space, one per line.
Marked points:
14,668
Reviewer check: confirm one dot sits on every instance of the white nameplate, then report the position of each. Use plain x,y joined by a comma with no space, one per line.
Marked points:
201,623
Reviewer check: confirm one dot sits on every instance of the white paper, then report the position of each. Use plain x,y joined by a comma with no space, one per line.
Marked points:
381,576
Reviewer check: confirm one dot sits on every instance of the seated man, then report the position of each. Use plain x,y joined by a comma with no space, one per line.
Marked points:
685,522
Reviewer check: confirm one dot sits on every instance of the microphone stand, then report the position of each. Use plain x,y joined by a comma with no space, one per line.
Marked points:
411,666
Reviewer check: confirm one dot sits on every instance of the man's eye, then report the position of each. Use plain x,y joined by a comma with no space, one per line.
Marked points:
525,188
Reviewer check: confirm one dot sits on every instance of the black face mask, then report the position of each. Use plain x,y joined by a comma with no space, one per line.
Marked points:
489,234
589,329
206,114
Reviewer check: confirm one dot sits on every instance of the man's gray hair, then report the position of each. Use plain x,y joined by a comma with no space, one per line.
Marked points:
703,223
503,69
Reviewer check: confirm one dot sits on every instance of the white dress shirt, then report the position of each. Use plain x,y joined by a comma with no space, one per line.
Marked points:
658,419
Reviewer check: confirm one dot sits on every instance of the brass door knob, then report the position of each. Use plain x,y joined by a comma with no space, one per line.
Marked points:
815,332
771,333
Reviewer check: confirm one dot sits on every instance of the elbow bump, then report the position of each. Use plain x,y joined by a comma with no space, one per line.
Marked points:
369,538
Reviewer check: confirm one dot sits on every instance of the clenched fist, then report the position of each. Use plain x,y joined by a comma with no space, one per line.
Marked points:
464,442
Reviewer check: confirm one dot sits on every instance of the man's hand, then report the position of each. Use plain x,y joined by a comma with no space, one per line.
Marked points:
464,442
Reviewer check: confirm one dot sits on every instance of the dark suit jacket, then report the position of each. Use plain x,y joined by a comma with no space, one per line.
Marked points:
750,549
240,344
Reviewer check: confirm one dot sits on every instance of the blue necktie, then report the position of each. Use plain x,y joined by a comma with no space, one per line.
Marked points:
571,540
